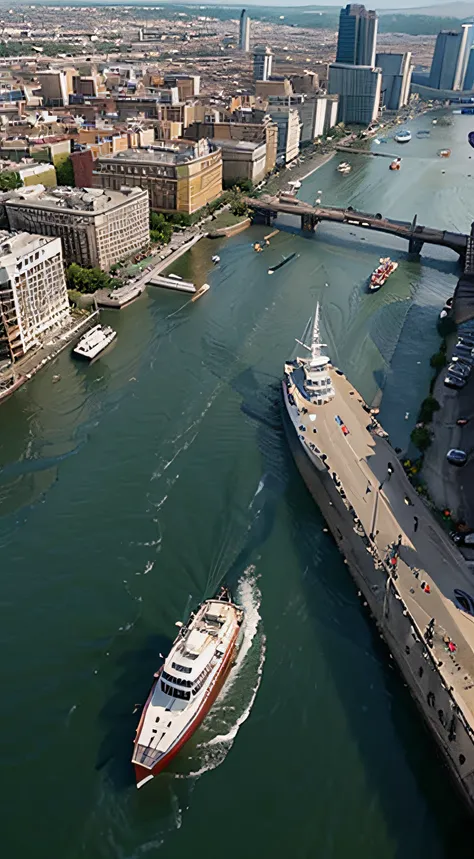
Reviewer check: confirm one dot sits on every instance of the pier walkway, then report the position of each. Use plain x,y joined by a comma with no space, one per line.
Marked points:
267,208
394,522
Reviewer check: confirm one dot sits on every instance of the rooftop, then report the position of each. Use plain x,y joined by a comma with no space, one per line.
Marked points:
79,199
19,244
172,154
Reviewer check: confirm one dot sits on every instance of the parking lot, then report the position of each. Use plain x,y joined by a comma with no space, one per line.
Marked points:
452,486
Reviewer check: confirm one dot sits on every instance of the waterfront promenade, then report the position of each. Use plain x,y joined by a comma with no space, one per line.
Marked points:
414,554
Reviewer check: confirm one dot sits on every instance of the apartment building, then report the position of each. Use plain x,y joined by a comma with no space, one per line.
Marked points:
255,131
179,177
97,228
33,294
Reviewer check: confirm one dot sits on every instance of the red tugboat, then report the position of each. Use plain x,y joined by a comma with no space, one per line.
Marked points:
382,273
188,683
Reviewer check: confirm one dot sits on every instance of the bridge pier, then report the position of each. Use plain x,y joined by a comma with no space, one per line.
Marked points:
309,222
263,216
415,246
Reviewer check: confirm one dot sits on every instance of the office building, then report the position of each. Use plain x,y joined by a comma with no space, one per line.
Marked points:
357,37
396,71
33,293
188,86
317,113
289,132
469,77
242,159
56,86
180,177
262,64
97,228
258,129
244,33
450,59
359,89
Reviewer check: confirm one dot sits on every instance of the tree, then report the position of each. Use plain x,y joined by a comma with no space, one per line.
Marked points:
87,280
160,228
427,409
421,438
64,170
9,180
438,360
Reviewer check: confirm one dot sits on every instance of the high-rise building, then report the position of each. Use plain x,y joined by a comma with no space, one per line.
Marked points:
56,86
289,132
396,70
262,63
359,89
357,38
33,293
469,78
450,59
244,34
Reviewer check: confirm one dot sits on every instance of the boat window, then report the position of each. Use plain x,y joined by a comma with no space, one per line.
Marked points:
186,669
175,693
180,681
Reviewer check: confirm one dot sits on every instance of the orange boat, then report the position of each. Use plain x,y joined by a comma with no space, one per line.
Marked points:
187,685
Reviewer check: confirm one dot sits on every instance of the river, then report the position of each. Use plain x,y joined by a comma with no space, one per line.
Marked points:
131,488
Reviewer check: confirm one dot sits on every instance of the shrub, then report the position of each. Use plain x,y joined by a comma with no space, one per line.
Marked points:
421,438
428,407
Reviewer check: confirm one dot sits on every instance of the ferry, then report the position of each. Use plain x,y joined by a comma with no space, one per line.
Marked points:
403,136
382,273
396,164
344,167
188,683
94,342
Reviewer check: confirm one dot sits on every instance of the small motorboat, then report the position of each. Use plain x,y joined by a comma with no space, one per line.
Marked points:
444,153
344,167
396,164
215,259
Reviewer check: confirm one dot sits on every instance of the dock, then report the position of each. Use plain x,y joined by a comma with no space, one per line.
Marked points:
414,580
172,283
351,151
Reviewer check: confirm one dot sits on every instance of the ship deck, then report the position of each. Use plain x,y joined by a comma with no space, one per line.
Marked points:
360,461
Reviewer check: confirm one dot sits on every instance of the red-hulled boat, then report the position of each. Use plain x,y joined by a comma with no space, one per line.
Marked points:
187,685
382,273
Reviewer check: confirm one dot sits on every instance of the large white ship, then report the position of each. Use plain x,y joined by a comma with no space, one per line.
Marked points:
414,580
187,685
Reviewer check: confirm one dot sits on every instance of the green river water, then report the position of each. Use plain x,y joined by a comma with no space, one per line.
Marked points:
131,488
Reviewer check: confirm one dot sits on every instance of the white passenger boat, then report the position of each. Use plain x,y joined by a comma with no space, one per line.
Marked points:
94,342
187,685
344,167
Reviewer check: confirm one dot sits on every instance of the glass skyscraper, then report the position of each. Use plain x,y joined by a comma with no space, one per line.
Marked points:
357,38
244,35
450,59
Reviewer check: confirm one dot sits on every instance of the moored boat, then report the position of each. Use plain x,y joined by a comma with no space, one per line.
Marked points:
382,273
344,167
403,136
94,342
10,383
444,153
188,683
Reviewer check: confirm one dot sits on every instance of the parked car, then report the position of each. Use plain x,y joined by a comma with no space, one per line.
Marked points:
454,382
462,539
456,457
459,369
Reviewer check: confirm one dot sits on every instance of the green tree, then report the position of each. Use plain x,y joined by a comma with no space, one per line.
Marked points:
64,170
421,438
428,407
9,180
87,280
160,228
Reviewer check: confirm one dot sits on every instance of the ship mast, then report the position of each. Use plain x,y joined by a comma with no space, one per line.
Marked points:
316,344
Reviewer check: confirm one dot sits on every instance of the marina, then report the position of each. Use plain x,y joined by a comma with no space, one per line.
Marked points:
132,487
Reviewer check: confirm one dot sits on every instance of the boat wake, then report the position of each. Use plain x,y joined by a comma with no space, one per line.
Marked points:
234,705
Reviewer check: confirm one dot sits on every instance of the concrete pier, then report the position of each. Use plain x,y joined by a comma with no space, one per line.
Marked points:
415,581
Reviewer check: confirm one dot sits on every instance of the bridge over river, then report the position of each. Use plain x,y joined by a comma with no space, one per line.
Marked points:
267,208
